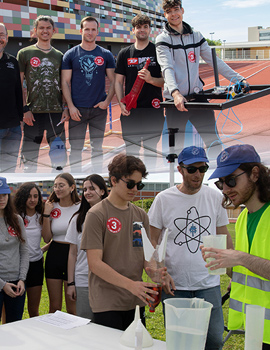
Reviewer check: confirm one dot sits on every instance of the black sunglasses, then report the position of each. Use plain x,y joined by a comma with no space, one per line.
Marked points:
192,169
131,184
229,181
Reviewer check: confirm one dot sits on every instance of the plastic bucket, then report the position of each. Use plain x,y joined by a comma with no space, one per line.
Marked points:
187,321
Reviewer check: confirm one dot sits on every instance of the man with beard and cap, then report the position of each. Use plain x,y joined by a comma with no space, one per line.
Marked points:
191,210
11,106
243,179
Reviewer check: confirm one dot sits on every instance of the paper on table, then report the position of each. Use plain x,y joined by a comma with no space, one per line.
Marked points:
63,320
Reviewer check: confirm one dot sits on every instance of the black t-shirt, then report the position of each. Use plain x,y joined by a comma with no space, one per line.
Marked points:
11,101
129,62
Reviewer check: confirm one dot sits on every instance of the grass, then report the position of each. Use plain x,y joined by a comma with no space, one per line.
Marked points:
154,321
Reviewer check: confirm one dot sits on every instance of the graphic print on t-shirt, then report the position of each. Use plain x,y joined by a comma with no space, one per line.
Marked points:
139,62
88,64
191,228
44,80
137,234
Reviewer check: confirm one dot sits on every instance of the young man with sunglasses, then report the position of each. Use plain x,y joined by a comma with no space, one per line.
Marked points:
112,239
244,180
190,211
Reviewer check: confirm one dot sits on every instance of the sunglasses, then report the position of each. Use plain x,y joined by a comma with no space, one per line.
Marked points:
192,169
131,184
229,181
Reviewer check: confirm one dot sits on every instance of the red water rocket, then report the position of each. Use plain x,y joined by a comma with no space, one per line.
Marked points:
131,99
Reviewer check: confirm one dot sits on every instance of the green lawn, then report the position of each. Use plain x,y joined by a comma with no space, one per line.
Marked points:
155,324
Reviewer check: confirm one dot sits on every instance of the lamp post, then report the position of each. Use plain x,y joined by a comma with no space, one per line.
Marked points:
224,41
212,35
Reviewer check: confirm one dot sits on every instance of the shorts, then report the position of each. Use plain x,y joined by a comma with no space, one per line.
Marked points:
56,261
35,274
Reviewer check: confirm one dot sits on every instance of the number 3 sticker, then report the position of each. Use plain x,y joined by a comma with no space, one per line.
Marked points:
114,225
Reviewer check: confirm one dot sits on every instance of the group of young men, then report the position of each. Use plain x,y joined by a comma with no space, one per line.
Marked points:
189,210
80,74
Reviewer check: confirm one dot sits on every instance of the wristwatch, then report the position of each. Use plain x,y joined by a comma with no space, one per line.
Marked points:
26,109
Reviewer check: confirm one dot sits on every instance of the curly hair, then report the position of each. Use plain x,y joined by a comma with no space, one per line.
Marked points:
11,218
22,196
167,4
262,184
140,20
70,180
123,165
85,206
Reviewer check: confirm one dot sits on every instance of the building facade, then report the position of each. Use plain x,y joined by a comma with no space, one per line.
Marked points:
114,17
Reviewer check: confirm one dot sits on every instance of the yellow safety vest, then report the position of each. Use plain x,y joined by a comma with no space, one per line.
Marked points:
247,287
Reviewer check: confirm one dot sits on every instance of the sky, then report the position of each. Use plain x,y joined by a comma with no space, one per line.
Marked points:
228,19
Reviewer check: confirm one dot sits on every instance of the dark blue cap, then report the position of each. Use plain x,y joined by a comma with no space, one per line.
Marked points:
232,157
192,154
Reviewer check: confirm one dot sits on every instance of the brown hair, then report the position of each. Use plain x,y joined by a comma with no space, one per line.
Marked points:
89,19
263,182
43,18
70,180
140,20
11,218
123,165
167,4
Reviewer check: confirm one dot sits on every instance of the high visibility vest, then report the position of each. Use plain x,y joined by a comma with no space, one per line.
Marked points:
247,287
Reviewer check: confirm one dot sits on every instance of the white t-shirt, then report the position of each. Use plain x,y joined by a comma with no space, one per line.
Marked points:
188,218
81,267
60,217
33,233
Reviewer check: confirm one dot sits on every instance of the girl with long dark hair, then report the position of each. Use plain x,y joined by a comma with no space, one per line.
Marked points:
94,190
29,205
14,258
59,208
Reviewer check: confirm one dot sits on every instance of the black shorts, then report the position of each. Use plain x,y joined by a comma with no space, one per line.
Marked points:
56,261
118,319
35,274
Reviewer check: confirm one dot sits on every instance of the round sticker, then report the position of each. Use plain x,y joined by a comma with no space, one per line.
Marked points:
11,231
99,61
56,213
156,103
114,225
191,56
35,62
26,222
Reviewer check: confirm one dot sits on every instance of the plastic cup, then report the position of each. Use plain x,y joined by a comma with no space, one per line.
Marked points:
254,327
215,241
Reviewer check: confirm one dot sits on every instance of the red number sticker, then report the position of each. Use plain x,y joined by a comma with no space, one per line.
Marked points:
114,225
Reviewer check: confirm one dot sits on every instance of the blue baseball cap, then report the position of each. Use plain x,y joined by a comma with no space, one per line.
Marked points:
232,157
4,188
192,154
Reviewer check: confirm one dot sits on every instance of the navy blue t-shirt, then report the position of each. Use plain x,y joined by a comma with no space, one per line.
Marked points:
88,74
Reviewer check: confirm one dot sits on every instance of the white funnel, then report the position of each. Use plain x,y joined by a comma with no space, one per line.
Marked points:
128,337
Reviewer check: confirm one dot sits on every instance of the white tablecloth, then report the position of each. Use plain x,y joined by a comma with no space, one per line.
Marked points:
31,334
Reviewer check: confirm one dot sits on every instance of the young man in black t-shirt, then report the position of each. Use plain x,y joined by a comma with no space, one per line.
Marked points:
145,122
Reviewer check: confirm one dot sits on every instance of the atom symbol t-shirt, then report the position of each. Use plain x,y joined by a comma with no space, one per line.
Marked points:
188,218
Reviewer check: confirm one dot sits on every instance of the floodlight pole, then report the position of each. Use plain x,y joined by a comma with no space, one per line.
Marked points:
172,156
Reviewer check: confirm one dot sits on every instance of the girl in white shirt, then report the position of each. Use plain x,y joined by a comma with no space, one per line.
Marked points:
59,208
94,190
29,205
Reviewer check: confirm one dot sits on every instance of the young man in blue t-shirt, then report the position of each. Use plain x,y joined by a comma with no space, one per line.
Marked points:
84,69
